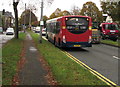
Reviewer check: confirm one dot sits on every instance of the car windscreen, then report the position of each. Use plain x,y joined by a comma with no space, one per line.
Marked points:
77,25
10,29
111,26
1,28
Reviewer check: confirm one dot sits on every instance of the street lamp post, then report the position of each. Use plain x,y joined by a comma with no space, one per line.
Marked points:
41,22
30,20
15,3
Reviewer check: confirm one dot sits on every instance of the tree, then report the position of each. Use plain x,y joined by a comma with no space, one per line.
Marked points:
111,8
35,23
64,13
55,13
52,16
75,10
58,13
90,9
45,18
118,7
16,19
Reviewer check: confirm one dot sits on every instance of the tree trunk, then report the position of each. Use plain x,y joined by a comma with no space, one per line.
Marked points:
16,19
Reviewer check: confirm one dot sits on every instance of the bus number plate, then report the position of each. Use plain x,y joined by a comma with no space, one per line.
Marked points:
77,45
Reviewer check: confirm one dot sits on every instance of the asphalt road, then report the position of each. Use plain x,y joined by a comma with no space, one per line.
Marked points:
4,38
101,58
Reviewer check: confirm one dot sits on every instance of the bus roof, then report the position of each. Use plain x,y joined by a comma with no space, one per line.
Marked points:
55,19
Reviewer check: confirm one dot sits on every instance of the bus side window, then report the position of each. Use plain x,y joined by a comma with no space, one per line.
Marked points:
57,27
47,27
54,27
51,27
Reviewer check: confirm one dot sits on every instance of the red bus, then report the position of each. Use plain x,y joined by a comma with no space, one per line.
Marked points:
70,31
109,31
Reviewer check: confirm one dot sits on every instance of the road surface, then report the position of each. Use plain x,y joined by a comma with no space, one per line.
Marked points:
4,38
101,58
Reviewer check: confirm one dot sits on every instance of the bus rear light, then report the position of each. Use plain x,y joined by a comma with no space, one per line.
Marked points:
90,39
64,39
90,27
66,19
63,27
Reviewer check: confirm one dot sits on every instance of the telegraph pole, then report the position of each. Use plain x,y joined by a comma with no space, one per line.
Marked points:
41,22
25,18
3,18
30,19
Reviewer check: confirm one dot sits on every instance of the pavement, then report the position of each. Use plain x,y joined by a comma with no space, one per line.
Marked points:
32,72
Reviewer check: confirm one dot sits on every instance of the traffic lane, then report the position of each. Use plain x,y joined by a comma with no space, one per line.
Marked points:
4,38
99,59
110,50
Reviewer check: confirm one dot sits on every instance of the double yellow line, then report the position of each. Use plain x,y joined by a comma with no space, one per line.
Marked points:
107,81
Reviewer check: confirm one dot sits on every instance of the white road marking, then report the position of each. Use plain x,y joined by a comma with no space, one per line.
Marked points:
116,57
44,37
29,37
33,49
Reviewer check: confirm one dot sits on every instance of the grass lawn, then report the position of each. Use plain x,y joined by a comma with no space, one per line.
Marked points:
64,69
111,42
10,56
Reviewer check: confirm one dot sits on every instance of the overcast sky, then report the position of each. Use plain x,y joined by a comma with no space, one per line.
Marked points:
48,9
68,4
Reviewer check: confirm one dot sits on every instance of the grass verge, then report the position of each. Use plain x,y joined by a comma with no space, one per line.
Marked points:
110,42
65,70
10,56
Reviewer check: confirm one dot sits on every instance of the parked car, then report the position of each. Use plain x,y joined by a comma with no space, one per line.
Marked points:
9,31
1,30
44,31
37,30
109,31
33,28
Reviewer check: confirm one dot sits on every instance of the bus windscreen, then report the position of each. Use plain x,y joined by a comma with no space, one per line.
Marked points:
111,27
77,25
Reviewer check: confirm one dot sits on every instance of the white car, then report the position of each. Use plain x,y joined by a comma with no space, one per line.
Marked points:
43,31
37,30
33,28
9,31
